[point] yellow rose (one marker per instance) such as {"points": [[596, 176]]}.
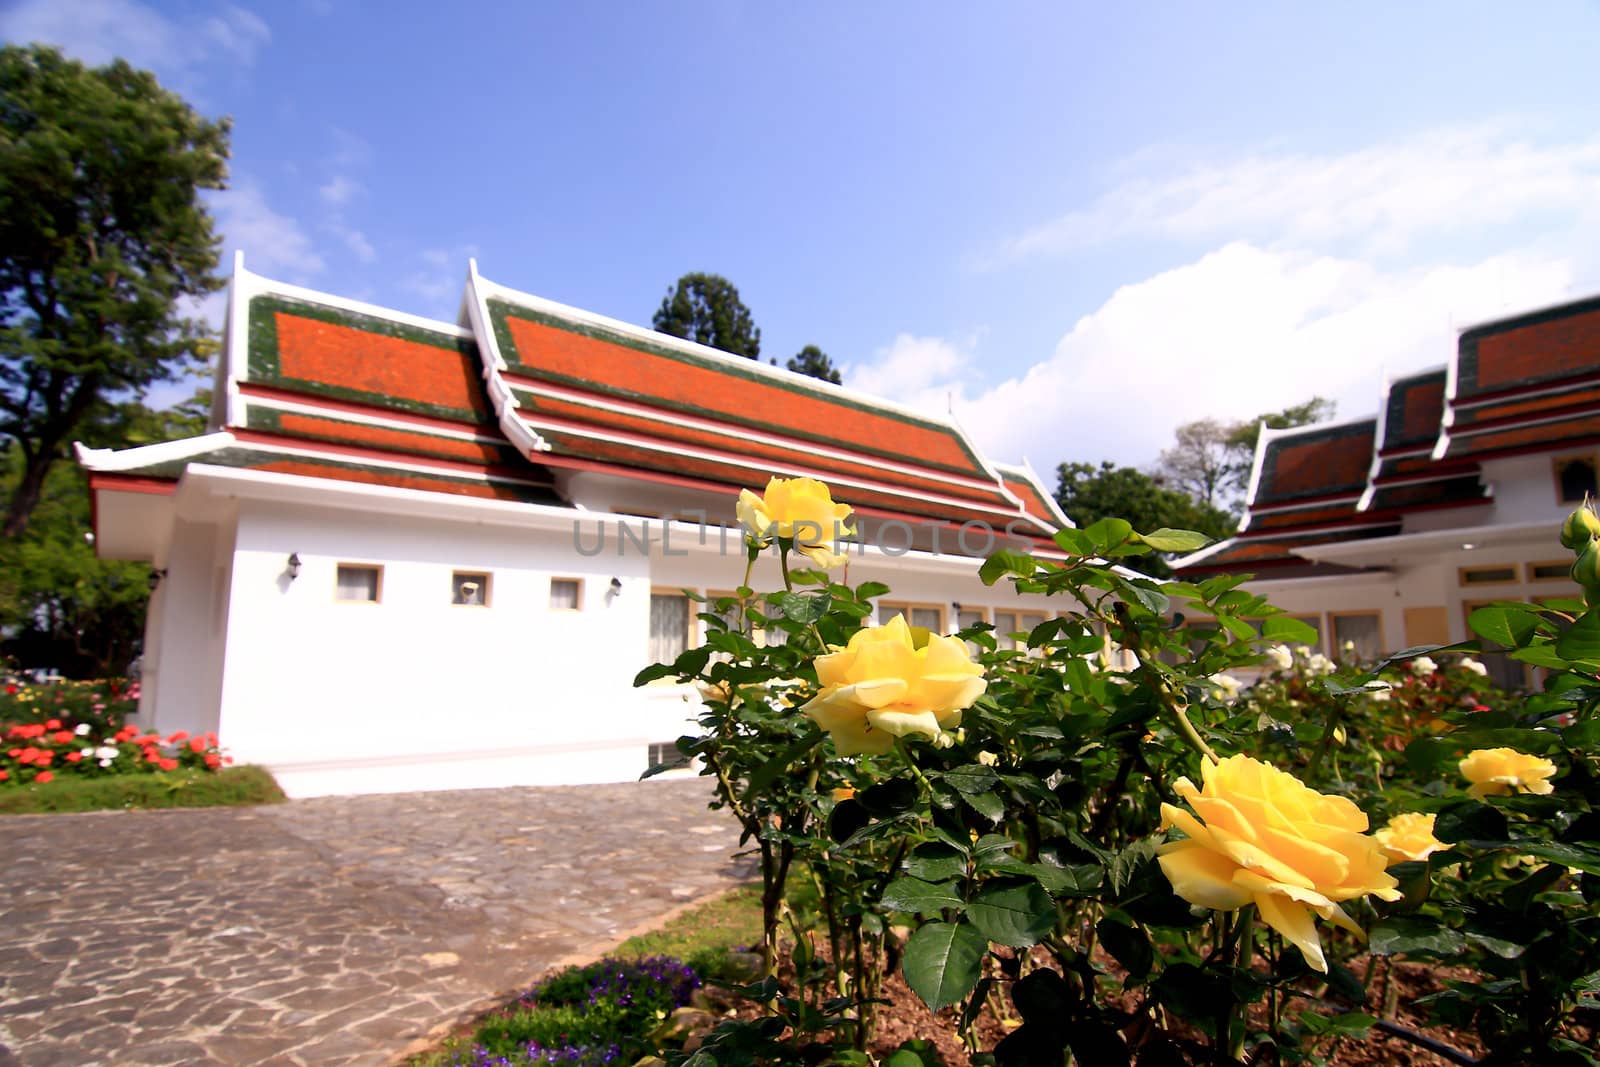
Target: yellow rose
{"points": [[1497, 772], [881, 686], [1408, 836], [1270, 840], [801, 510]]}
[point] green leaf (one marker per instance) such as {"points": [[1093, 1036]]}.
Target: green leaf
{"points": [[1128, 945], [988, 805], [1074, 880], [1413, 935], [1581, 640], [870, 590], [1006, 562], [1503, 625], [1470, 820], [942, 962], [1284, 630], [972, 778], [653, 672], [1584, 859], [889, 797], [1167, 539], [802, 608], [1106, 534], [1147, 595], [923, 898], [934, 861], [1017, 915], [768, 772], [1075, 542], [1354, 1024]]}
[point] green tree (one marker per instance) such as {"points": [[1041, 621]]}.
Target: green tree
{"points": [[61, 605], [706, 308], [103, 240], [1210, 460], [814, 361], [1088, 493]]}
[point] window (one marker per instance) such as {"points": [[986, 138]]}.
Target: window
{"points": [[927, 616], [358, 583], [1575, 479], [1364, 631], [669, 626], [1007, 623], [566, 594], [666, 754], [469, 588], [1504, 671], [1499, 574], [1554, 571]]}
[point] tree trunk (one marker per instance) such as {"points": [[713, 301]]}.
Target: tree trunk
{"points": [[29, 489]]}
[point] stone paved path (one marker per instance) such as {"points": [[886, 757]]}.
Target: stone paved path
{"points": [[334, 931]]}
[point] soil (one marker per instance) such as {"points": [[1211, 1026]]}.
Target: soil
{"points": [[906, 1017]]}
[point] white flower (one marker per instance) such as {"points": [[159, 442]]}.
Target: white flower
{"points": [[107, 753], [1380, 695], [987, 759], [105, 763], [82, 729], [1319, 664], [1348, 647], [1474, 666], [1227, 685], [1423, 665], [1280, 657]]}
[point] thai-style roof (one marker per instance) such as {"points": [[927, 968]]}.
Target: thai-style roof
{"points": [[319, 386], [1522, 384]]}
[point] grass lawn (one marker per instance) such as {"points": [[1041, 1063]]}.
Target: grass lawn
{"points": [[169, 789]]}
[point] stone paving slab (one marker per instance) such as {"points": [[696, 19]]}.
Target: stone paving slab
{"points": [[336, 931]]}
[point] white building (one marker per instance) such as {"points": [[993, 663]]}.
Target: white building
{"points": [[1387, 531], [419, 555]]}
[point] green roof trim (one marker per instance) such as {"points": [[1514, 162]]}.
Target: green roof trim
{"points": [[263, 355]]}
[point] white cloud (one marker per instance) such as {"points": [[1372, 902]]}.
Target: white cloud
{"points": [[356, 242], [339, 190], [917, 371], [440, 281], [97, 31], [1385, 197], [273, 244], [1240, 331]]}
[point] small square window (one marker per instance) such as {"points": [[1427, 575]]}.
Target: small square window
{"points": [[1501, 574], [1575, 479], [358, 583], [566, 594], [1554, 571], [470, 588]]}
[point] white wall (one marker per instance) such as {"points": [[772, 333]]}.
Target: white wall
{"points": [[413, 691], [181, 670]]}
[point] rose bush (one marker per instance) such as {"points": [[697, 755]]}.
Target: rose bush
{"points": [[1009, 823], [39, 752]]}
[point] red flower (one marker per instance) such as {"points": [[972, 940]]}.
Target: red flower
{"points": [[227, 759], [45, 757], [152, 756], [197, 745], [14, 753], [28, 755], [74, 756], [62, 737], [52, 724], [126, 733], [168, 764], [11, 690], [213, 761], [4, 775], [43, 776], [181, 735]]}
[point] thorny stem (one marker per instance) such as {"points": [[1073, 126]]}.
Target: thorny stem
{"points": [[1236, 1009]]}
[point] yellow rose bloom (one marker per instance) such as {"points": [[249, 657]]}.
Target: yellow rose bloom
{"points": [[1265, 838], [1497, 772], [881, 686], [801, 510], [1408, 836]]}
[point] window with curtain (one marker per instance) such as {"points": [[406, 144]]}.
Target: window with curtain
{"points": [[566, 594], [669, 626], [1363, 631], [357, 584]]}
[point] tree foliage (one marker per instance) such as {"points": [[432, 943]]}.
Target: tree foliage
{"points": [[813, 361], [1210, 460], [103, 239], [1088, 493], [706, 308]]}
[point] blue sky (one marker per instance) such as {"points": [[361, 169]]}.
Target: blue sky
{"points": [[1075, 226]]}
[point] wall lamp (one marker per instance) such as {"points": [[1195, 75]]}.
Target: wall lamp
{"points": [[155, 578], [616, 585], [293, 568]]}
